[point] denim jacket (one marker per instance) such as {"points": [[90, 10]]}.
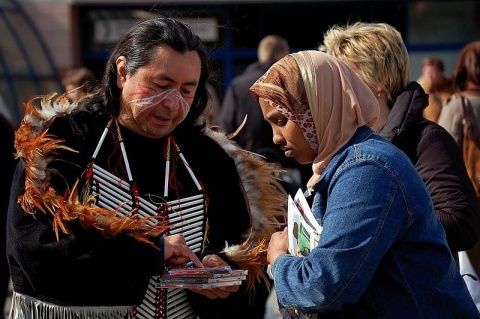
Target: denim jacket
{"points": [[383, 252]]}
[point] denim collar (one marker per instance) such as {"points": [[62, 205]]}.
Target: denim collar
{"points": [[362, 133]]}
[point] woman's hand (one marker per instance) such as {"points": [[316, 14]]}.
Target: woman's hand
{"points": [[217, 292], [277, 246], [177, 253]]}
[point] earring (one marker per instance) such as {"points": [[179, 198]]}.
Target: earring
{"points": [[378, 94]]}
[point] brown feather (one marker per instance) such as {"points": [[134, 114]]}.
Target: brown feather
{"points": [[37, 148], [267, 204]]}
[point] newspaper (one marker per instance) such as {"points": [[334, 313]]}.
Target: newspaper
{"points": [[303, 229]]}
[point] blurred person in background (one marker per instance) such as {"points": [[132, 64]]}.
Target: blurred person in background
{"points": [[78, 82], [238, 103], [466, 79], [436, 84], [255, 134]]}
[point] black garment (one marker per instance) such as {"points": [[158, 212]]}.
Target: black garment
{"points": [[88, 269], [439, 162], [7, 164], [256, 136]]}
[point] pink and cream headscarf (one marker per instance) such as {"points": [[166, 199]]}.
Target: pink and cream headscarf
{"points": [[312, 87]]}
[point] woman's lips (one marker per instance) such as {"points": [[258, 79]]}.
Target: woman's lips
{"points": [[287, 151]]}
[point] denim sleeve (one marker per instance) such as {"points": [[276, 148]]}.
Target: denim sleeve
{"points": [[364, 215]]}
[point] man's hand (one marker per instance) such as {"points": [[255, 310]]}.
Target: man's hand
{"points": [[217, 292], [177, 253]]}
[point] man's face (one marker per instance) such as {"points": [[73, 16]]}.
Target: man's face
{"points": [[158, 96]]}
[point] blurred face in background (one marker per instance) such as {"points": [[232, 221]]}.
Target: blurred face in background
{"points": [[432, 75], [74, 93]]}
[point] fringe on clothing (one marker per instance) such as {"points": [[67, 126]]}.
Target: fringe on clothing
{"points": [[25, 307]]}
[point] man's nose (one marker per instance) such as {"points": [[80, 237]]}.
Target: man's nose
{"points": [[171, 100]]}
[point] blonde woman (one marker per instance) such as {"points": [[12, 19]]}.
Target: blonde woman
{"points": [[378, 55]]}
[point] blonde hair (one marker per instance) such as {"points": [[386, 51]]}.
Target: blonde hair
{"points": [[377, 51], [272, 48]]}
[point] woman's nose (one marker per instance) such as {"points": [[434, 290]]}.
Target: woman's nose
{"points": [[277, 137]]}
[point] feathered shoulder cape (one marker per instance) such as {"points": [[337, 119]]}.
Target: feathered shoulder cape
{"points": [[33, 143]]}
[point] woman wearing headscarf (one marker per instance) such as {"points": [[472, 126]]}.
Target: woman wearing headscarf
{"points": [[382, 251]]}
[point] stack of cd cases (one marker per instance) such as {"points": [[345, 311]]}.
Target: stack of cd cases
{"points": [[202, 278]]}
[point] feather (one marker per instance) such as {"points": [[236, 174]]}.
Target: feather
{"points": [[37, 148], [267, 205]]}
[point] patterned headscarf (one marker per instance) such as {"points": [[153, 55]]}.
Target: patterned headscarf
{"points": [[311, 87]]}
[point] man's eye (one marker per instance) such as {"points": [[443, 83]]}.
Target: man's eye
{"points": [[186, 93], [161, 87]]}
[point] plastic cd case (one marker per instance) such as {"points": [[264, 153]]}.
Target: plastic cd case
{"points": [[163, 284], [202, 278]]}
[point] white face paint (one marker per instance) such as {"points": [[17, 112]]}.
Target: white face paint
{"points": [[170, 105]]}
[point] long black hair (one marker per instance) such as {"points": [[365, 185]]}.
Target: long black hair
{"points": [[138, 46]]}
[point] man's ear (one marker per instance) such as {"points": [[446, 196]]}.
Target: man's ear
{"points": [[121, 71]]}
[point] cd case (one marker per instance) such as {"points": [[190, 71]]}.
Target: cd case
{"points": [[202, 278], [207, 272]]}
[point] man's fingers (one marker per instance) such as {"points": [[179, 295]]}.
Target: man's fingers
{"points": [[177, 251], [196, 261], [182, 254]]}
